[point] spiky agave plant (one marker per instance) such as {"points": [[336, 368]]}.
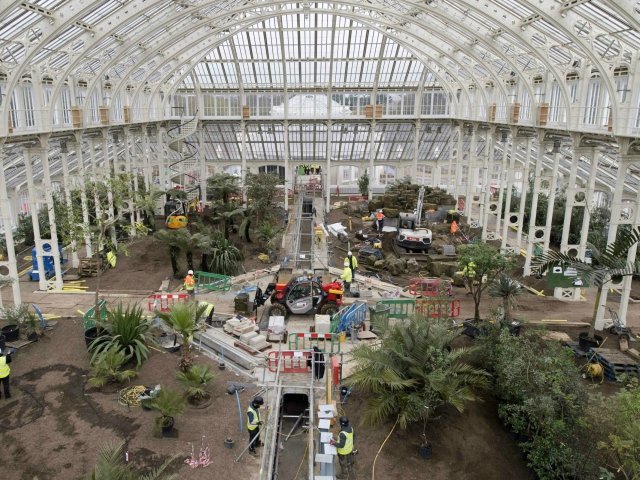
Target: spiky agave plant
{"points": [[224, 257]]}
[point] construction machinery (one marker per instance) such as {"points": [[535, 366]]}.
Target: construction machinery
{"points": [[411, 235], [302, 295], [177, 212]]}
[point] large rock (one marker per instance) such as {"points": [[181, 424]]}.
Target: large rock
{"points": [[396, 266], [440, 268]]}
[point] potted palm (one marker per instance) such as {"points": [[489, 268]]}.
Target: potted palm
{"points": [[604, 266], [14, 317], [195, 381], [168, 403], [184, 318]]}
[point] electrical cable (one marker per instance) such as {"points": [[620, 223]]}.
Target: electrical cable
{"points": [[130, 396], [373, 468], [302, 461]]}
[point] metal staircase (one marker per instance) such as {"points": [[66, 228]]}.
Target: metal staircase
{"points": [[185, 172]]}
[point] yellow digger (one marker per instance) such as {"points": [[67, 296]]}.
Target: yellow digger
{"points": [[177, 212]]}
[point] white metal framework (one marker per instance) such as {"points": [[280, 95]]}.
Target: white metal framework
{"points": [[466, 94]]}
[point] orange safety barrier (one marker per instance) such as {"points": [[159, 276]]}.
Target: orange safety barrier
{"points": [[164, 301], [438, 307], [335, 370], [291, 361]]}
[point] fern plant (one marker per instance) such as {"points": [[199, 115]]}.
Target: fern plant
{"points": [[111, 466]]}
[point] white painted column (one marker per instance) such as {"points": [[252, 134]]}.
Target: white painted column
{"points": [[505, 181], [416, 144], [508, 175], [536, 233], [64, 160], [372, 156], [524, 193], [5, 213], [202, 157], [286, 163], [243, 157], [42, 281], [553, 184], [487, 164], [48, 195], [618, 217], [83, 195], [327, 175], [109, 176]]}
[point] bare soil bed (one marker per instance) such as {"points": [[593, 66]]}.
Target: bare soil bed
{"points": [[54, 424]]}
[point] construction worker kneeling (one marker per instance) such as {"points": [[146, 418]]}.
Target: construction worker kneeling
{"points": [[208, 311]]}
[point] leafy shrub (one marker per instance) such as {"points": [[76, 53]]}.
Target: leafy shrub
{"points": [[543, 400]]}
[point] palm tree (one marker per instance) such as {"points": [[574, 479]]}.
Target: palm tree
{"points": [[173, 241], [195, 380], [111, 466], [222, 186], [612, 263], [507, 289], [413, 372], [184, 318]]}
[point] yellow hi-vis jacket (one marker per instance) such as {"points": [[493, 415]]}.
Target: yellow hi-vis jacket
{"points": [[253, 418], [346, 274], [353, 261], [347, 448], [209, 309], [5, 369], [189, 283], [111, 258]]}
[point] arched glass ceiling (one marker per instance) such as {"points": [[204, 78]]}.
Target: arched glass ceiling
{"points": [[307, 51], [140, 40]]}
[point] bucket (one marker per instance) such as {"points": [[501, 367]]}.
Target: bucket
{"points": [[342, 336]]}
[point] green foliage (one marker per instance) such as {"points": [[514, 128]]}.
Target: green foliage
{"points": [[184, 318], [174, 242], [363, 184], [542, 399], [195, 381], [487, 262], [413, 372], [267, 234], [223, 256], [128, 331], [111, 466], [262, 190], [605, 265], [106, 367], [168, 403], [615, 419], [507, 289], [222, 186]]}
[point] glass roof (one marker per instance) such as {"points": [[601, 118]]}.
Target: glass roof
{"points": [[350, 46]]}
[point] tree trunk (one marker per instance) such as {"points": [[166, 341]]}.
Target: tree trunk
{"points": [[476, 301], [173, 254], [189, 255], [203, 262], [592, 327], [507, 309]]}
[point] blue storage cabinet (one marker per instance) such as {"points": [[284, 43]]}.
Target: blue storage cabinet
{"points": [[47, 262]]}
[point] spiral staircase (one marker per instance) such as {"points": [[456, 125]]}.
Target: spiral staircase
{"points": [[184, 173]]}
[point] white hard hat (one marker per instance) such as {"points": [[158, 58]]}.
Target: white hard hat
{"points": [[190, 272], [349, 253]]}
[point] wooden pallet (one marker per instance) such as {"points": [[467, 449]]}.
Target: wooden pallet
{"points": [[90, 267]]}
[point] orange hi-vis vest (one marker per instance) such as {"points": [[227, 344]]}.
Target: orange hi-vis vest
{"points": [[189, 283], [380, 216]]}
